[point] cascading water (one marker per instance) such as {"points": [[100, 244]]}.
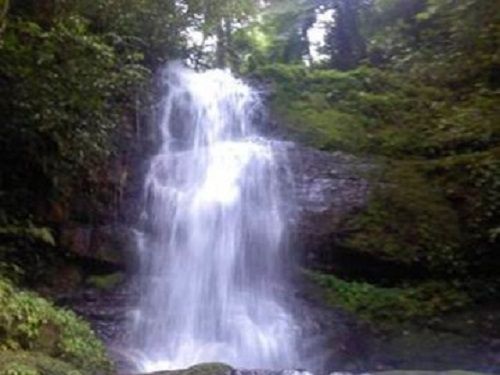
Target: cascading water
{"points": [[212, 245]]}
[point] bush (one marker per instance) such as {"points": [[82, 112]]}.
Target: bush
{"points": [[395, 304], [409, 221], [363, 110], [436, 205], [29, 363], [31, 323]]}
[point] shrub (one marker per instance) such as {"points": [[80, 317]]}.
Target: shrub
{"points": [[391, 304], [29, 363], [31, 323]]}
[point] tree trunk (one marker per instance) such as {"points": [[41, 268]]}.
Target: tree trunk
{"points": [[221, 52], [347, 44], [4, 9]]}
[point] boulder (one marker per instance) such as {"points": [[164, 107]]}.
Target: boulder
{"points": [[409, 372], [201, 369]]}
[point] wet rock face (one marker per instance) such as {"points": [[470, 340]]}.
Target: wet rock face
{"points": [[108, 244], [321, 190], [326, 189]]}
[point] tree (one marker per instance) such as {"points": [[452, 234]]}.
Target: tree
{"points": [[219, 20], [344, 42], [4, 9]]}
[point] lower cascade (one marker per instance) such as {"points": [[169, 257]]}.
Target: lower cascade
{"points": [[213, 234]]}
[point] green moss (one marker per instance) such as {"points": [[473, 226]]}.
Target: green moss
{"points": [[28, 322], [409, 372], [201, 369], [32, 363], [355, 111], [393, 115], [208, 369], [105, 282], [303, 100], [332, 129], [395, 304], [467, 126], [408, 220], [472, 182]]}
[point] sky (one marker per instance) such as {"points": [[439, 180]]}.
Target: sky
{"points": [[317, 33]]}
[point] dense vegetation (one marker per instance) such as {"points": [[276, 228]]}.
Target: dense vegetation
{"points": [[411, 84], [74, 79], [30, 323], [74, 82], [414, 85]]}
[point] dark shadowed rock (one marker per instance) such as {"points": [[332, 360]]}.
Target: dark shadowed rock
{"points": [[326, 188], [111, 244]]}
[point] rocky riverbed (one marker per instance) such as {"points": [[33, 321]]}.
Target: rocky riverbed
{"points": [[335, 338], [325, 188]]}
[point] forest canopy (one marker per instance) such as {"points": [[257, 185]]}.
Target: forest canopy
{"points": [[413, 84]]}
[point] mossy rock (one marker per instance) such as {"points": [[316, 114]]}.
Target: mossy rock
{"points": [[408, 221], [31, 363], [436, 208], [106, 282], [379, 304], [405, 372], [208, 369], [31, 323], [201, 369], [362, 110]]}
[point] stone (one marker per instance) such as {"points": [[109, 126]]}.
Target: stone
{"points": [[106, 282], [201, 369], [409, 372], [108, 244], [326, 188]]}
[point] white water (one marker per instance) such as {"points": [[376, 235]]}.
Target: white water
{"points": [[213, 240]]}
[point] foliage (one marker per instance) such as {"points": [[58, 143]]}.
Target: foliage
{"points": [[278, 35], [363, 110], [409, 221], [105, 282], [29, 363], [344, 42], [149, 29], [471, 181], [74, 82], [62, 92], [28, 322], [30, 231], [444, 32], [23, 250], [74, 74], [217, 21], [384, 304], [4, 9], [424, 102], [442, 151], [418, 89]]}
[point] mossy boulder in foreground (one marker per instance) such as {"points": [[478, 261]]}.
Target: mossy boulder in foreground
{"points": [[29, 323], [201, 369], [408, 372]]}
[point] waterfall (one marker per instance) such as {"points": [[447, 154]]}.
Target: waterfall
{"points": [[213, 236]]}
